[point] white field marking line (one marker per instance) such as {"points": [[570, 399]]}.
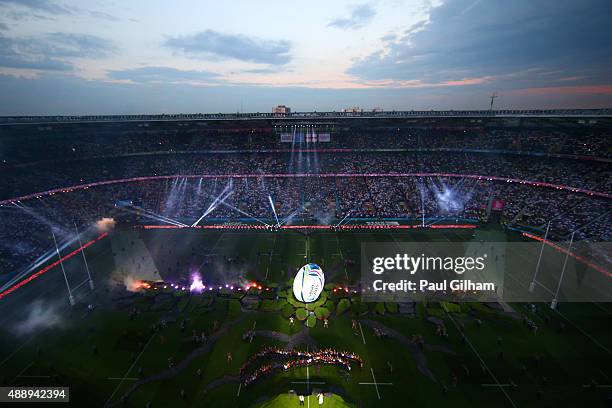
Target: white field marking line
{"points": [[16, 350], [128, 371], [362, 336], [394, 240], [253, 329], [495, 385], [605, 375], [607, 350], [544, 287], [342, 256], [239, 386], [270, 260], [24, 370], [308, 382], [339, 247], [597, 386], [481, 360], [217, 241], [308, 378], [602, 308], [80, 284], [367, 383], [34, 376], [375, 384]]}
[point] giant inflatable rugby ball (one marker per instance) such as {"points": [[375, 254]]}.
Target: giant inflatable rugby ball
{"points": [[308, 283]]}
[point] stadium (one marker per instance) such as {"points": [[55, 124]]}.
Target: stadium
{"points": [[149, 260]]}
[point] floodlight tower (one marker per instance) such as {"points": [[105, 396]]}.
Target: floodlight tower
{"points": [[493, 96]]}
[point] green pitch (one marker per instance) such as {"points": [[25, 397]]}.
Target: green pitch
{"points": [[286, 401], [432, 355]]}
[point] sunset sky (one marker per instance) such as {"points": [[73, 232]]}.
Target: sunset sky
{"points": [[136, 56]]}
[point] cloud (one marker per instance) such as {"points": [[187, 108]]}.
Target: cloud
{"points": [[14, 56], [517, 44], [76, 45], [163, 74], [51, 51], [388, 37], [3, 26], [213, 43], [104, 16], [268, 70], [38, 6], [359, 17]]}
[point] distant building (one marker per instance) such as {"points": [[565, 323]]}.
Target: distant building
{"points": [[285, 110], [377, 109], [354, 109]]}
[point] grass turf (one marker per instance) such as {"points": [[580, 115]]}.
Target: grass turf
{"points": [[550, 368]]}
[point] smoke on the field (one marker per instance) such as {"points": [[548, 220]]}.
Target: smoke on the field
{"points": [[324, 217], [130, 283], [40, 315]]}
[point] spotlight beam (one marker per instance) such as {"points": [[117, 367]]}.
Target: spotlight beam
{"points": [[273, 210], [40, 217], [41, 260], [287, 218], [145, 214], [345, 217], [149, 214], [351, 211], [216, 204], [160, 216], [218, 200], [245, 213]]}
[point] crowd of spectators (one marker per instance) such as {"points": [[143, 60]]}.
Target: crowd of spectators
{"points": [[60, 143], [86, 157], [574, 173], [25, 226]]}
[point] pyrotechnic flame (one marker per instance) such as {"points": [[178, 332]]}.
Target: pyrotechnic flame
{"points": [[105, 224], [196, 283]]}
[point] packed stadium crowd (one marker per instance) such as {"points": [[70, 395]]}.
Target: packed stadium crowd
{"points": [[575, 173], [314, 196], [60, 144]]}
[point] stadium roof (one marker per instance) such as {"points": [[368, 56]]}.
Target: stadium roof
{"points": [[10, 120]]}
